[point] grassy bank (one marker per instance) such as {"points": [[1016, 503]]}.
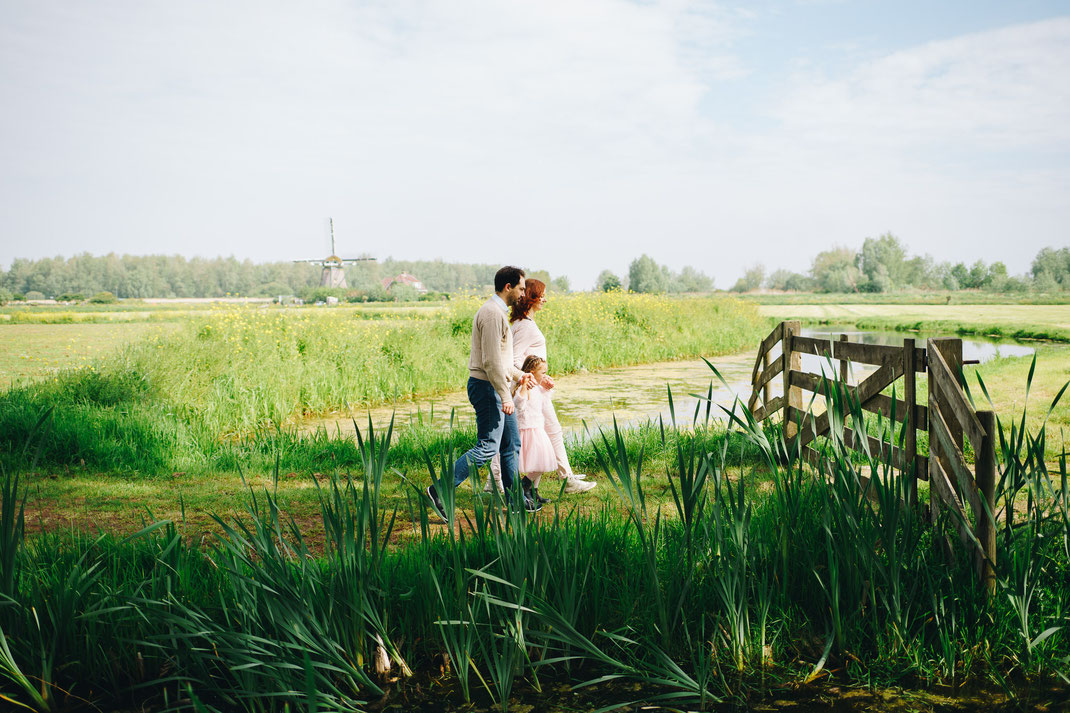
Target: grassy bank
{"points": [[132, 311], [1048, 322], [978, 328], [737, 588], [956, 297], [180, 401]]}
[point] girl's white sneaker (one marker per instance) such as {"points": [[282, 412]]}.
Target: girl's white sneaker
{"points": [[575, 485]]}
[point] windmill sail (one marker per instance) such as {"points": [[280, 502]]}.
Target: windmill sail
{"points": [[334, 274]]}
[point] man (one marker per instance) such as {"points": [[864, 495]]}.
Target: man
{"points": [[490, 371]]}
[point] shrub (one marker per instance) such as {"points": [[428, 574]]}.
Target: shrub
{"points": [[404, 293], [376, 294], [71, 297], [273, 289], [320, 294], [103, 298]]}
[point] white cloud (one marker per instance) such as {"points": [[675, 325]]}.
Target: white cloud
{"points": [[1002, 89]]}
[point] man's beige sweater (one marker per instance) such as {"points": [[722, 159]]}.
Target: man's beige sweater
{"points": [[492, 349]]}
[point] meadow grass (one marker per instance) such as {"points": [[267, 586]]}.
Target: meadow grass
{"points": [[980, 328], [125, 460], [179, 401], [1017, 321], [943, 297], [721, 595], [31, 352], [129, 311]]}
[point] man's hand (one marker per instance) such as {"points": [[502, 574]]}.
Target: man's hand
{"points": [[508, 408], [547, 383]]}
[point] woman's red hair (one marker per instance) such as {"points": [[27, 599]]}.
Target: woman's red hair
{"points": [[532, 294]]}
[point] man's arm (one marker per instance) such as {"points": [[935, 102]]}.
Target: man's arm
{"points": [[490, 344]]}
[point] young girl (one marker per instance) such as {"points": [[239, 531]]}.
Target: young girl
{"points": [[536, 451]]}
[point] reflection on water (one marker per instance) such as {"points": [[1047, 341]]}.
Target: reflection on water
{"points": [[634, 394], [972, 349], [975, 350]]}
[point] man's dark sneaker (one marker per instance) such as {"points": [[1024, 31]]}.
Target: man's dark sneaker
{"points": [[531, 504], [436, 504]]}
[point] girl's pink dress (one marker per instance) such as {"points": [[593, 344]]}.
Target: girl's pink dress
{"points": [[536, 451]]}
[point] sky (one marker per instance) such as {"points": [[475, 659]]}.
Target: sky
{"points": [[566, 135]]}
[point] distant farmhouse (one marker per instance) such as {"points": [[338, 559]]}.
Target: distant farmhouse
{"points": [[405, 279]]}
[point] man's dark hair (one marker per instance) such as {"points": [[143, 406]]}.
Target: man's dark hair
{"points": [[508, 275]]}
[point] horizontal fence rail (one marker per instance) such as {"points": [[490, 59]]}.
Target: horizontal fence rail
{"points": [[890, 390]]}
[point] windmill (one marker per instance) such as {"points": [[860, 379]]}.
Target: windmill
{"points": [[334, 274]]}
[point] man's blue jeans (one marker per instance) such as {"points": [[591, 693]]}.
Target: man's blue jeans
{"points": [[497, 433]]}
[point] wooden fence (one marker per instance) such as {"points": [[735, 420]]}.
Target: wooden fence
{"points": [[948, 418]]}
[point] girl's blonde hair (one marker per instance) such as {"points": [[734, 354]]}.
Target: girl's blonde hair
{"points": [[532, 363]]}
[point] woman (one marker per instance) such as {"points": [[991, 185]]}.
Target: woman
{"points": [[528, 340]]}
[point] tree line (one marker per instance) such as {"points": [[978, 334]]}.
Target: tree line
{"points": [[883, 265], [647, 276], [141, 276]]}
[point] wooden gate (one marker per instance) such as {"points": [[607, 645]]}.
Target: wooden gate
{"points": [[948, 418]]}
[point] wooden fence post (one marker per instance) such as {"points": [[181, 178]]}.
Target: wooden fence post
{"points": [[934, 443], [792, 394], [985, 466], [951, 350], [910, 422], [767, 389], [843, 366]]}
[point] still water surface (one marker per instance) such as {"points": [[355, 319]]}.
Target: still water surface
{"points": [[633, 394]]}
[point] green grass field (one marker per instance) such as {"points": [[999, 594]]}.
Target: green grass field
{"points": [[958, 297], [1049, 322], [91, 497], [138, 311], [146, 439], [30, 352], [180, 401]]}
